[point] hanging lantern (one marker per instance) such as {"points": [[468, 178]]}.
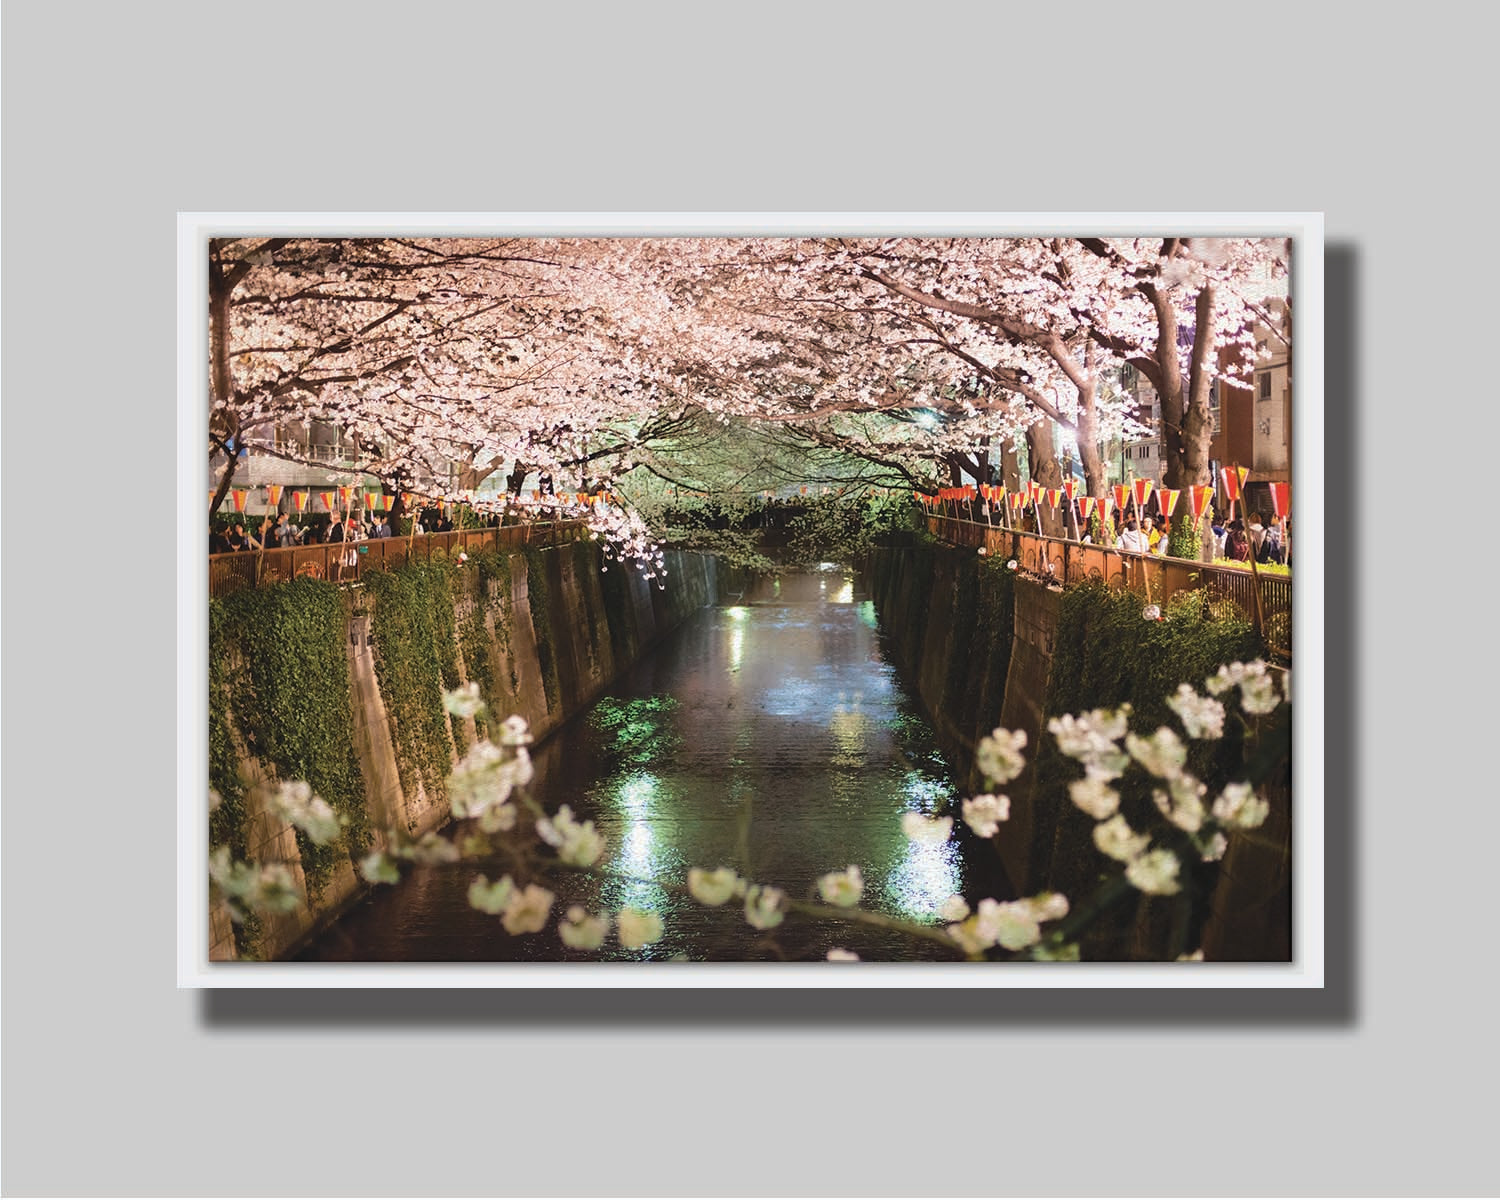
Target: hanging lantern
{"points": [[1142, 490], [1168, 501], [1281, 499]]}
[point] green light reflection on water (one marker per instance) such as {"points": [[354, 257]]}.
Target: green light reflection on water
{"points": [[640, 731], [866, 612]]}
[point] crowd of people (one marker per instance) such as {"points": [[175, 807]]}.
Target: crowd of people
{"points": [[1263, 540], [283, 534]]}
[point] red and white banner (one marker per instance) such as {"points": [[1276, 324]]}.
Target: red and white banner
{"points": [[1167, 499], [273, 494], [238, 495], [1142, 490], [1199, 495], [1122, 496], [1086, 503]]}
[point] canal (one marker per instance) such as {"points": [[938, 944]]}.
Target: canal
{"points": [[768, 734]]}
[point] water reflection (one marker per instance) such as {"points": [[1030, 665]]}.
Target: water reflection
{"points": [[770, 737], [923, 876]]}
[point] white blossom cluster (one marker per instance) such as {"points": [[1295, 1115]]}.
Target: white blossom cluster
{"points": [[1012, 925], [295, 803], [842, 888], [1183, 800], [577, 843], [983, 814], [253, 887], [481, 783], [999, 756], [1258, 691], [1201, 716]]}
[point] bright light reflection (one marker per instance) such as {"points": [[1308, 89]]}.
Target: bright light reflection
{"points": [[637, 852], [845, 594], [737, 612], [636, 794], [928, 793], [636, 845], [926, 876], [848, 729], [736, 647]]}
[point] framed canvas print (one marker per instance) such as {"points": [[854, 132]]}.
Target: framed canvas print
{"points": [[750, 600]]}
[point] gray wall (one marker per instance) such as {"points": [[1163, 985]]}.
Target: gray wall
{"points": [[115, 1083]]}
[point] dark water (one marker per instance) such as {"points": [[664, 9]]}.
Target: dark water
{"points": [[768, 735]]}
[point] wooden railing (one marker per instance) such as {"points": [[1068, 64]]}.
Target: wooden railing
{"points": [[345, 562], [1153, 575]]}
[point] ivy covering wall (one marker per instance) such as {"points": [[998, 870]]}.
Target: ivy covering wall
{"points": [[413, 628], [279, 688], [489, 611]]}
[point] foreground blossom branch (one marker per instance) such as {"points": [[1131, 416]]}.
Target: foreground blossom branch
{"points": [[489, 786]]}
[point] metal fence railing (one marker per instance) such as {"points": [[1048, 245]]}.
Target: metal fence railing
{"points": [[345, 562], [1153, 575]]}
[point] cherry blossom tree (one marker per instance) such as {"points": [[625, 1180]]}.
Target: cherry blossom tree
{"points": [[580, 359]]}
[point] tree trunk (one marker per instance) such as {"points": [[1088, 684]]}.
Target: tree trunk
{"points": [[1010, 467], [1087, 437], [221, 380], [1044, 469], [469, 478], [1187, 459]]}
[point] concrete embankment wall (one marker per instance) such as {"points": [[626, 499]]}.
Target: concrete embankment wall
{"points": [[976, 641], [560, 625]]}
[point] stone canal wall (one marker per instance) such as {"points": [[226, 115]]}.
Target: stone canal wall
{"points": [[976, 642], [544, 635]]}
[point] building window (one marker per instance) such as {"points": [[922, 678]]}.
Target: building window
{"points": [[1265, 385]]}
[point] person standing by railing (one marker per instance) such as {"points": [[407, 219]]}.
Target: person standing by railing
{"points": [[1236, 544], [335, 538], [1132, 539]]}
